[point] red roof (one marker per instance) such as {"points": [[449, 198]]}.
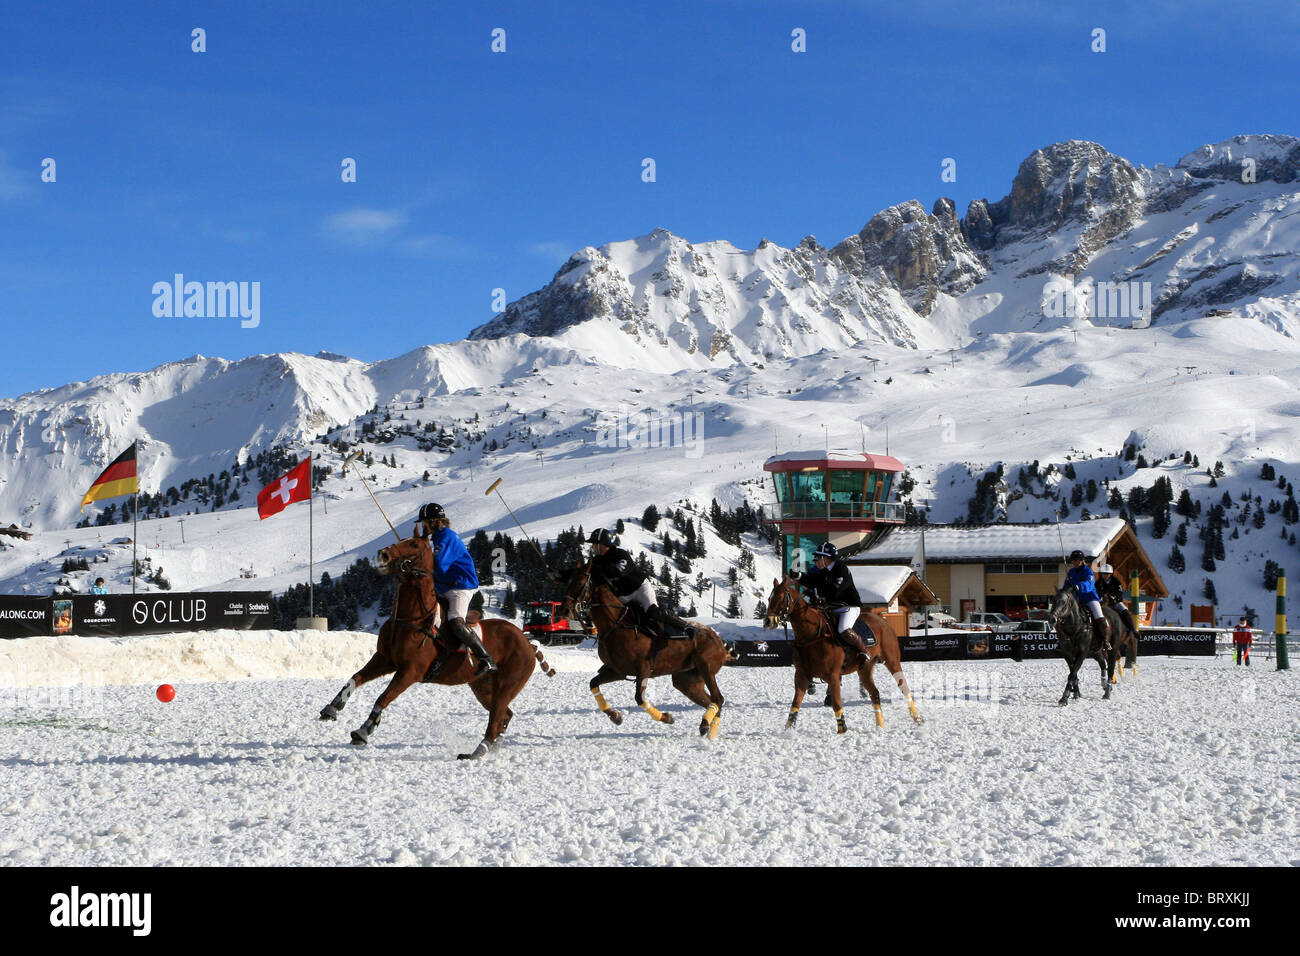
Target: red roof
{"points": [[849, 461]]}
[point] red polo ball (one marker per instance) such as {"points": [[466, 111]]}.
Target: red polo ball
{"points": [[166, 692]]}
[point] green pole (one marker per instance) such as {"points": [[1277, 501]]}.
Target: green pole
{"points": [[1280, 627]]}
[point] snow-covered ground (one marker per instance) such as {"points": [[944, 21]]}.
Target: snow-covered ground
{"points": [[1193, 763]]}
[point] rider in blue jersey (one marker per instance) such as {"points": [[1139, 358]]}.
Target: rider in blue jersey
{"points": [[455, 580], [1080, 577]]}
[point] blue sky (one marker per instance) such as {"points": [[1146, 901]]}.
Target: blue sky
{"points": [[478, 170]]}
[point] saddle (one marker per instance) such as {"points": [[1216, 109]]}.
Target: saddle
{"points": [[860, 627], [639, 619], [449, 641]]}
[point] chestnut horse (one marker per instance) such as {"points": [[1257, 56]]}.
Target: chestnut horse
{"points": [[410, 646], [625, 650], [818, 653]]}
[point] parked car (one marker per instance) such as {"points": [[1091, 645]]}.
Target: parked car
{"points": [[997, 623], [935, 618], [1035, 630]]}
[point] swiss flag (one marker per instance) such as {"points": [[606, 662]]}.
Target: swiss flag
{"points": [[285, 490]]}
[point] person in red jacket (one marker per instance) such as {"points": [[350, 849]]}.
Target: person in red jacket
{"points": [[1241, 641]]}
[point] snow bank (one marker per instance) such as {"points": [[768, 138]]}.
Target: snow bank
{"points": [[223, 655]]}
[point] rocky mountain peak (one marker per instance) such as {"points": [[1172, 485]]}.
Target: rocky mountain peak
{"points": [[1276, 158]]}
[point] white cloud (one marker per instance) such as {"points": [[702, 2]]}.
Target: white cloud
{"points": [[559, 251], [362, 226]]}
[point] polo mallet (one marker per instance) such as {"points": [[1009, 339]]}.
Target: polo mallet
{"points": [[347, 461], [493, 487]]}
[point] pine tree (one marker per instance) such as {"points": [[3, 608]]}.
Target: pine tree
{"points": [[1177, 563], [733, 607], [650, 518]]}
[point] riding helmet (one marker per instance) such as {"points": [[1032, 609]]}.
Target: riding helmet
{"points": [[432, 512], [602, 536], [827, 550], [1076, 555]]}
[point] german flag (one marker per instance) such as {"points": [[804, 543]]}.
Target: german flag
{"points": [[118, 479]]}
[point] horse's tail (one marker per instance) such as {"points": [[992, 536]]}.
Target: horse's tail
{"points": [[547, 669]]}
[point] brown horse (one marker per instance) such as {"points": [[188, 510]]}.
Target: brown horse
{"points": [[817, 653], [1127, 642], [410, 646], [626, 649]]}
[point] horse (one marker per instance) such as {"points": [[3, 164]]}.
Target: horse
{"points": [[817, 653], [626, 650], [409, 648], [1076, 642]]}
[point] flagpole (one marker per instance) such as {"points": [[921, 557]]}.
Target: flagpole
{"points": [[311, 534], [135, 516]]}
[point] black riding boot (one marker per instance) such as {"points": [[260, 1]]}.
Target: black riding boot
{"points": [[686, 628], [854, 641], [658, 633], [1101, 630], [466, 634]]}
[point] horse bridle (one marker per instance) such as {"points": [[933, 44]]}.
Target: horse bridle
{"points": [[786, 608], [1074, 612], [582, 604], [406, 568]]}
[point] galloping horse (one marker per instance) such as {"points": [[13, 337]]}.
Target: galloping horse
{"points": [[408, 644], [1076, 641], [818, 654], [625, 651]]}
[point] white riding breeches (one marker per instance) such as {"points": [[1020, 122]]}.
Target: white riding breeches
{"points": [[457, 603], [643, 597], [845, 617], [1094, 608]]}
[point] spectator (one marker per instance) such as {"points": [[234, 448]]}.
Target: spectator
{"points": [[99, 587], [1241, 641]]}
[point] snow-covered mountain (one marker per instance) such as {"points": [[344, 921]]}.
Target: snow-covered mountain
{"points": [[932, 334], [1203, 238]]}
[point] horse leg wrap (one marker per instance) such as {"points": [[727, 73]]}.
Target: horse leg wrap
{"points": [[709, 723], [654, 712], [600, 700], [840, 726], [331, 710], [362, 734], [880, 716], [479, 751], [911, 709]]}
